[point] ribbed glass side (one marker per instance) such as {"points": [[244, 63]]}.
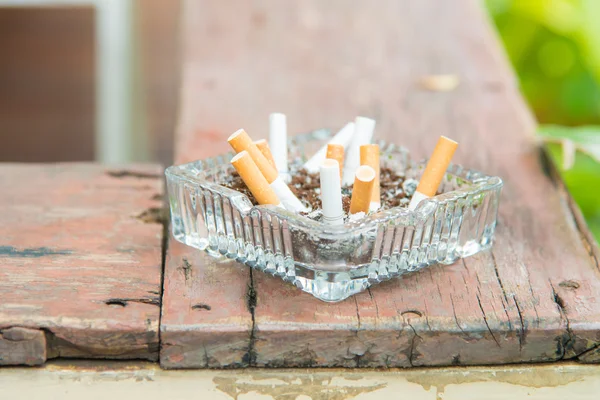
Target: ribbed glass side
{"points": [[333, 264]]}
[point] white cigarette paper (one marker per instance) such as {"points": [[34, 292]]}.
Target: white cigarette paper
{"points": [[416, 199], [288, 199], [363, 133], [343, 137], [278, 143], [241, 141], [331, 193]]}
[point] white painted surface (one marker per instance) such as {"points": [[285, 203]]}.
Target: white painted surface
{"points": [[114, 381]]}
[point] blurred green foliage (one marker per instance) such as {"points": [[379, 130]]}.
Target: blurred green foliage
{"points": [[554, 45]]}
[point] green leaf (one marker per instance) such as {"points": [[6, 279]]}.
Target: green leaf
{"points": [[583, 176], [586, 139]]}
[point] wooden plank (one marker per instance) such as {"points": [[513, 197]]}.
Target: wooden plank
{"points": [[206, 320], [533, 298], [22, 346], [80, 261]]}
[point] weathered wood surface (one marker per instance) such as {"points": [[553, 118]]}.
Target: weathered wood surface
{"points": [[80, 262], [533, 298], [205, 315]]}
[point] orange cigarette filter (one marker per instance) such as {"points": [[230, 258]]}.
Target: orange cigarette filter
{"points": [[264, 148], [361, 191], [336, 152], [369, 155], [437, 166], [254, 179], [240, 141]]}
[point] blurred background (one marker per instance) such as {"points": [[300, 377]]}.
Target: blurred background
{"points": [[554, 46], [84, 80]]}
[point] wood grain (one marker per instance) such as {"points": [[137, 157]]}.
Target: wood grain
{"points": [[533, 298], [80, 261], [205, 316]]}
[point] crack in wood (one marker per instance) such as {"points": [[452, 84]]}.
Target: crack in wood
{"points": [[586, 351], [201, 306], [533, 300], [566, 341], [205, 356], [186, 268], [123, 301], [523, 330], [486, 322], [455, 317], [456, 359], [427, 316], [357, 312], [374, 301], [249, 358], [412, 351], [163, 258], [504, 301]]}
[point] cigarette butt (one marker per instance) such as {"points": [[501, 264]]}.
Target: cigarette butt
{"points": [[264, 148], [437, 166], [363, 133], [288, 199], [240, 141], [336, 152], [369, 155], [254, 179], [331, 193], [343, 137], [361, 191]]}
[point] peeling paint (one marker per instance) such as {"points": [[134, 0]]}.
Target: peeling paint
{"points": [[290, 387]]}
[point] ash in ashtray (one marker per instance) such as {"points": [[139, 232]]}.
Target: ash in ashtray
{"points": [[396, 190]]}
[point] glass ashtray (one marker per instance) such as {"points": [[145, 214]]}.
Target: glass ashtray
{"points": [[333, 262]]}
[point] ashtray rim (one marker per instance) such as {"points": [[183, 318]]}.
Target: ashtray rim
{"points": [[482, 183]]}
